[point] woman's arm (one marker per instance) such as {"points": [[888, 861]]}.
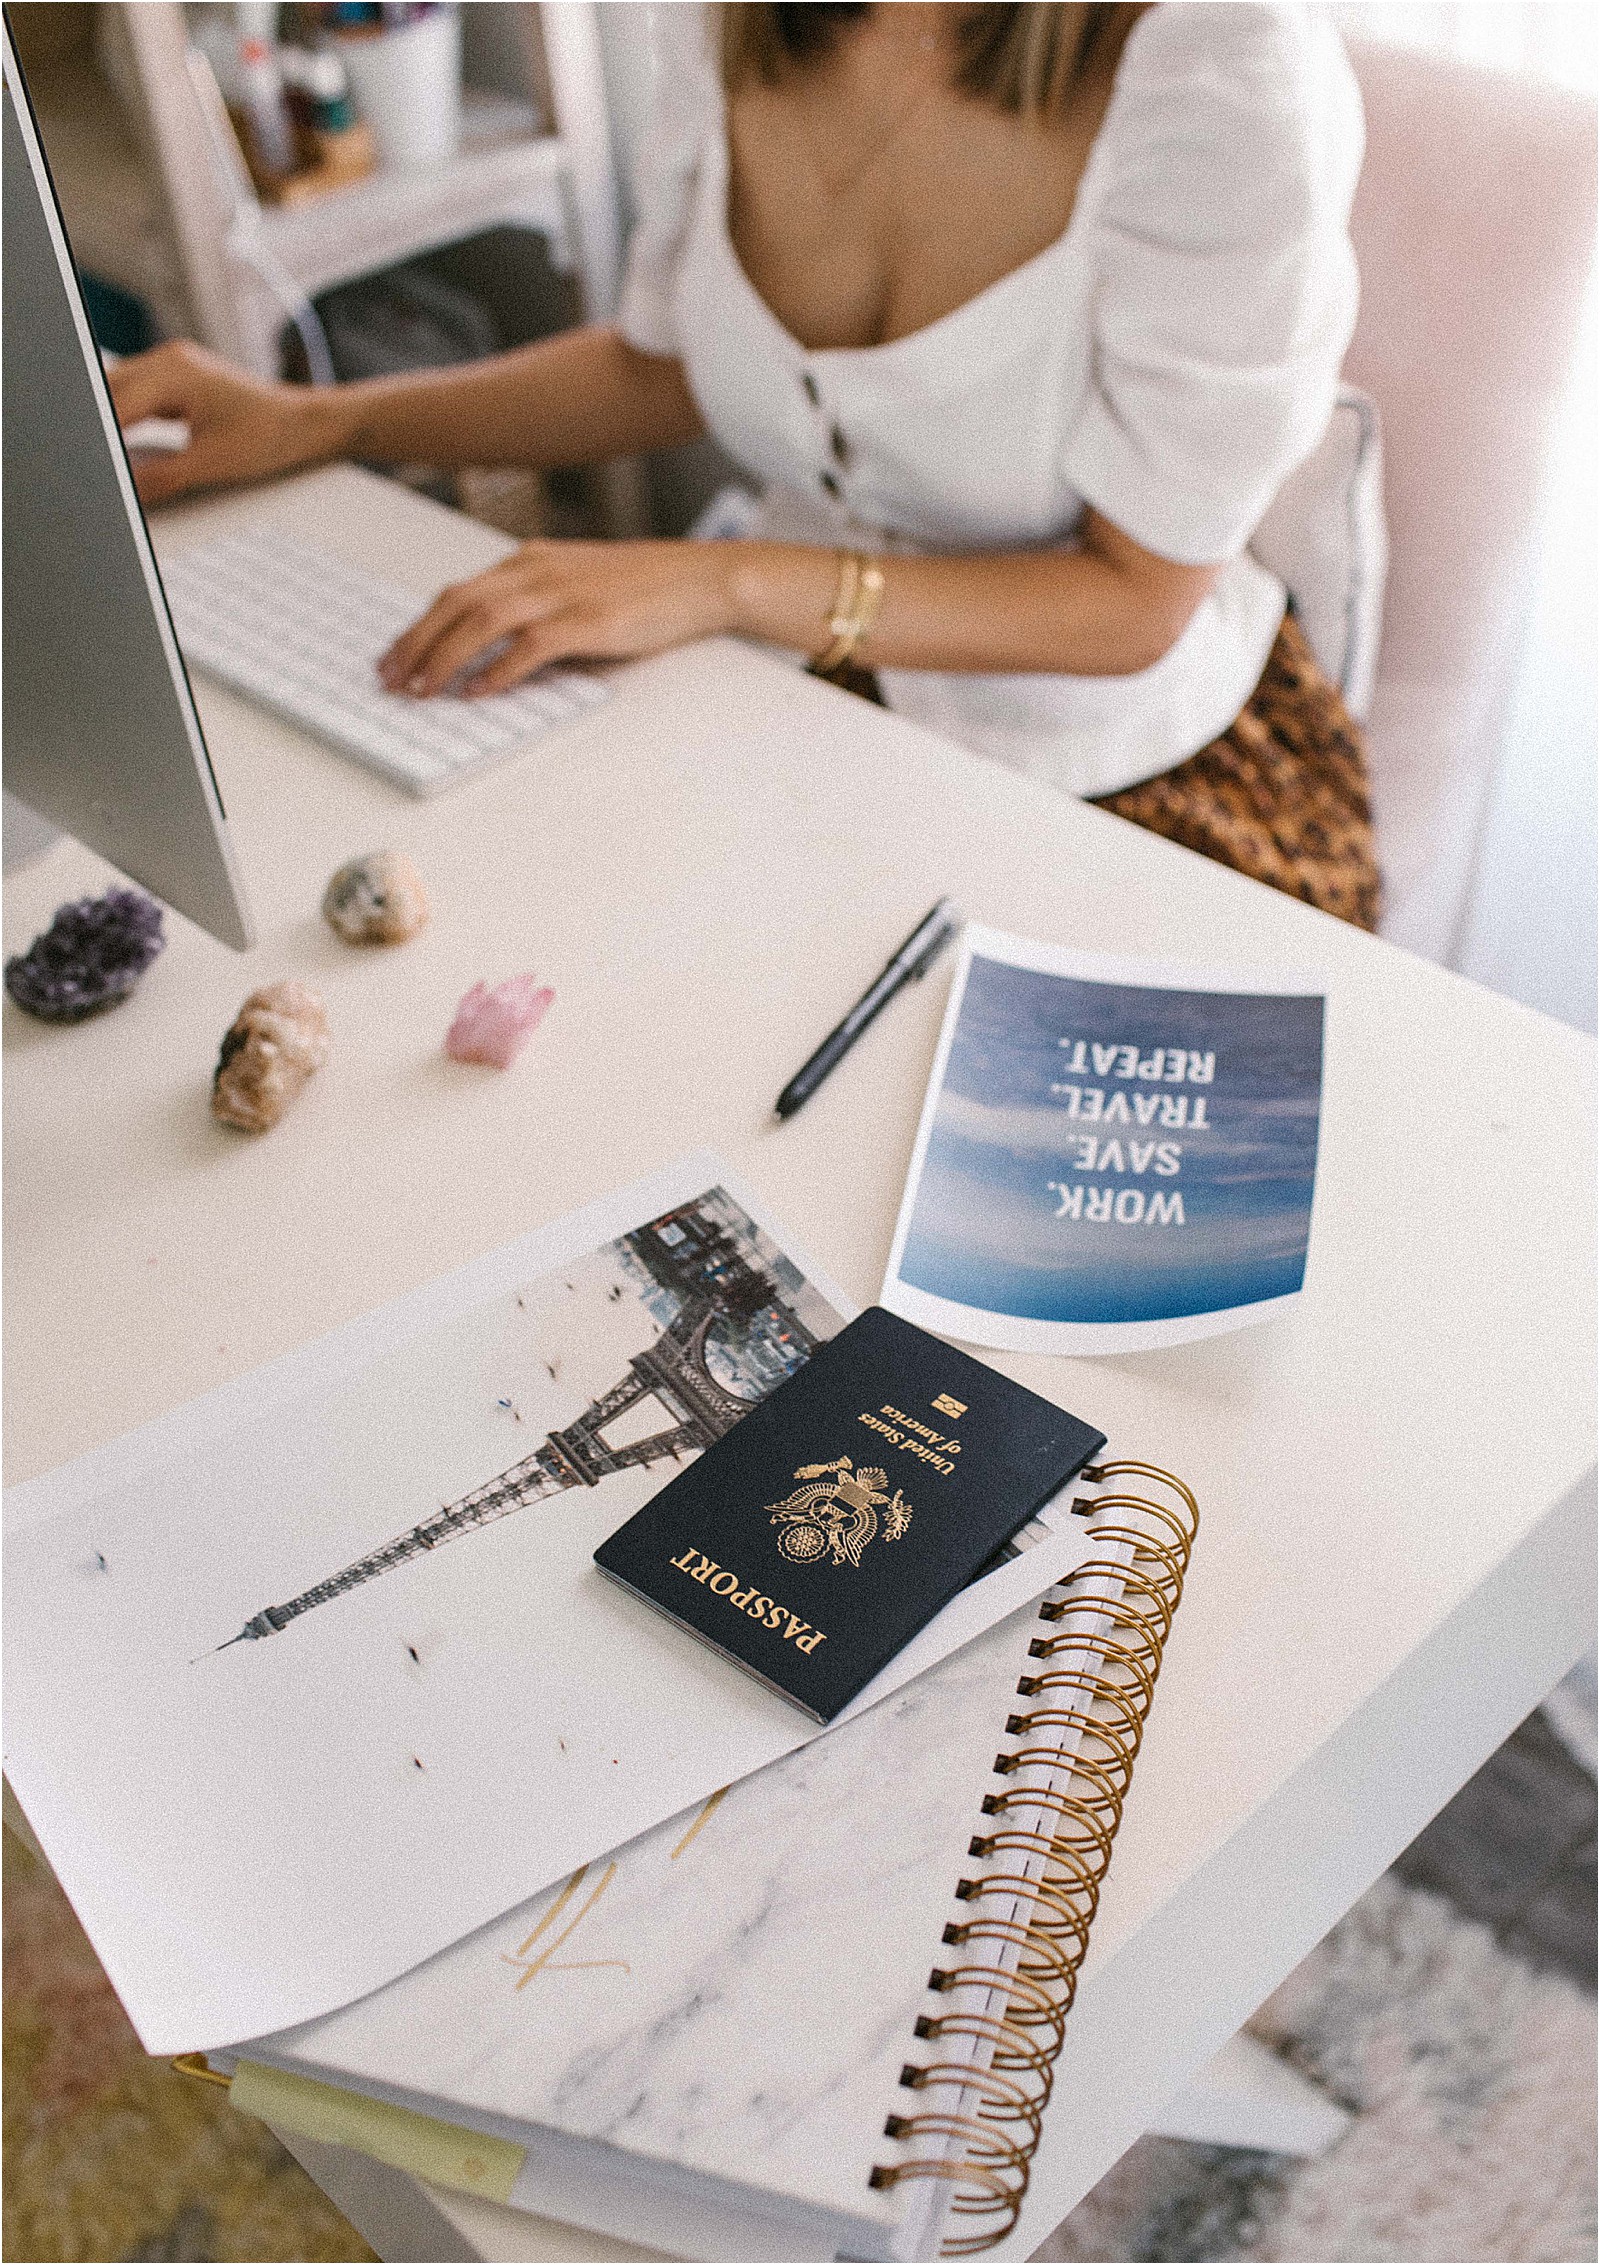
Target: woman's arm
{"points": [[584, 395], [573, 399], [1105, 607]]}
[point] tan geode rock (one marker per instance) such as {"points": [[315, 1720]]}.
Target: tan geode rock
{"points": [[376, 900], [278, 1037]]}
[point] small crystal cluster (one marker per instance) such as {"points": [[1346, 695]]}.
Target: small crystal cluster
{"points": [[278, 1038], [494, 1026], [378, 899], [91, 956]]}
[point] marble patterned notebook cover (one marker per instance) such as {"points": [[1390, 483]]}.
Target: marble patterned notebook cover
{"points": [[698, 2039], [276, 1659]]}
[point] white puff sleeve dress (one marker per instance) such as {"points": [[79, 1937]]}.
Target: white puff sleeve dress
{"points": [[1168, 360]]}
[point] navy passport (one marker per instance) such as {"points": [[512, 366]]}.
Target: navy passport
{"points": [[812, 1541]]}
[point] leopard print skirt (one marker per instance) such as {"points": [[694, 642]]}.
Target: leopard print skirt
{"points": [[1282, 795]]}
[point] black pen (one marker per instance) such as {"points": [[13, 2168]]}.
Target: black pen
{"points": [[915, 956]]}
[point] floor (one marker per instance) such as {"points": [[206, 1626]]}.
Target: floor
{"points": [[1453, 2012], [1516, 1850]]}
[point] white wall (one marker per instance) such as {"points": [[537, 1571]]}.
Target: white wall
{"points": [[1530, 928], [1531, 922]]}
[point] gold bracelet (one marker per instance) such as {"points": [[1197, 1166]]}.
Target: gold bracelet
{"points": [[855, 608]]}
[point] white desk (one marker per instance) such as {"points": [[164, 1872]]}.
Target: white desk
{"points": [[1396, 1479]]}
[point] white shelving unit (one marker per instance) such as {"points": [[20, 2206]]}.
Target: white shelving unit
{"points": [[245, 262], [158, 199], [391, 216]]}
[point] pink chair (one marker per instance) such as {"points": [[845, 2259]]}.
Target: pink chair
{"points": [[1474, 227]]}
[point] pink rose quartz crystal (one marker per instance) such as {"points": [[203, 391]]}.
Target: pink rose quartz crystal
{"points": [[277, 1039], [494, 1026]]}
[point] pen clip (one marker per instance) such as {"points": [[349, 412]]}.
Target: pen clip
{"points": [[931, 950]]}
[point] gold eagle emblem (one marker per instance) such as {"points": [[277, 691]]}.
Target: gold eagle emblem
{"points": [[836, 1515]]}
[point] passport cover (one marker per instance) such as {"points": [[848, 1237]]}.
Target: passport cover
{"points": [[813, 1541]]}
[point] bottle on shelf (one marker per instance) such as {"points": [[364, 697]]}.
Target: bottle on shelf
{"points": [[268, 128]]}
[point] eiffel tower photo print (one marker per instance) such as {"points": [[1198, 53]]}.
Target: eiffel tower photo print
{"points": [[731, 1314]]}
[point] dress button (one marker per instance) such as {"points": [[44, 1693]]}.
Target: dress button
{"points": [[829, 483], [840, 447], [808, 385]]}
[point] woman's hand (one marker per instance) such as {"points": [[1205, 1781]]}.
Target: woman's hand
{"points": [[1100, 607], [553, 601], [240, 428]]}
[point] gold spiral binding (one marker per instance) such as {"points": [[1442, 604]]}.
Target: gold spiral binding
{"points": [[1027, 1921]]}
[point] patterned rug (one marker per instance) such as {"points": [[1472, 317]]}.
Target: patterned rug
{"points": [[1473, 2082], [1472, 2077], [110, 2154]]}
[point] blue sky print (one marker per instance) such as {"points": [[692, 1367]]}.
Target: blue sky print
{"points": [[1106, 1152]]}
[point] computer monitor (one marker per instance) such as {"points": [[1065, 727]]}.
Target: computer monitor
{"points": [[101, 734]]}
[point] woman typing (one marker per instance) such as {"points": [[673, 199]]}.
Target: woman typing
{"points": [[1020, 316]]}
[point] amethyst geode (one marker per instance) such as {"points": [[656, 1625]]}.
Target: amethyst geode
{"points": [[91, 956]]}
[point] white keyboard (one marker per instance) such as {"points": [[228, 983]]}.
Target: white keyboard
{"points": [[302, 632]]}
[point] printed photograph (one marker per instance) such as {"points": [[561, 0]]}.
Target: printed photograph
{"points": [[657, 1343], [373, 1604], [1105, 1152]]}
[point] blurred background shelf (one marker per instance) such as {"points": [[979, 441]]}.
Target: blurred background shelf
{"points": [[393, 216], [160, 206]]}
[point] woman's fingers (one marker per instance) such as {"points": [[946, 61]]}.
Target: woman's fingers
{"points": [[161, 473], [462, 623], [456, 646], [157, 477], [454, 643], [157, 384], [529, 650], [404, 666], [400, 663], [163, 383]]}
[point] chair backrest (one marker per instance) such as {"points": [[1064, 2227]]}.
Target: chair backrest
{"points": [[1474, 228], [1324, 537]]}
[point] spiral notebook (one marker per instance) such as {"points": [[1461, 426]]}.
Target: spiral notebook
{"points": [[817, 2017]]}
